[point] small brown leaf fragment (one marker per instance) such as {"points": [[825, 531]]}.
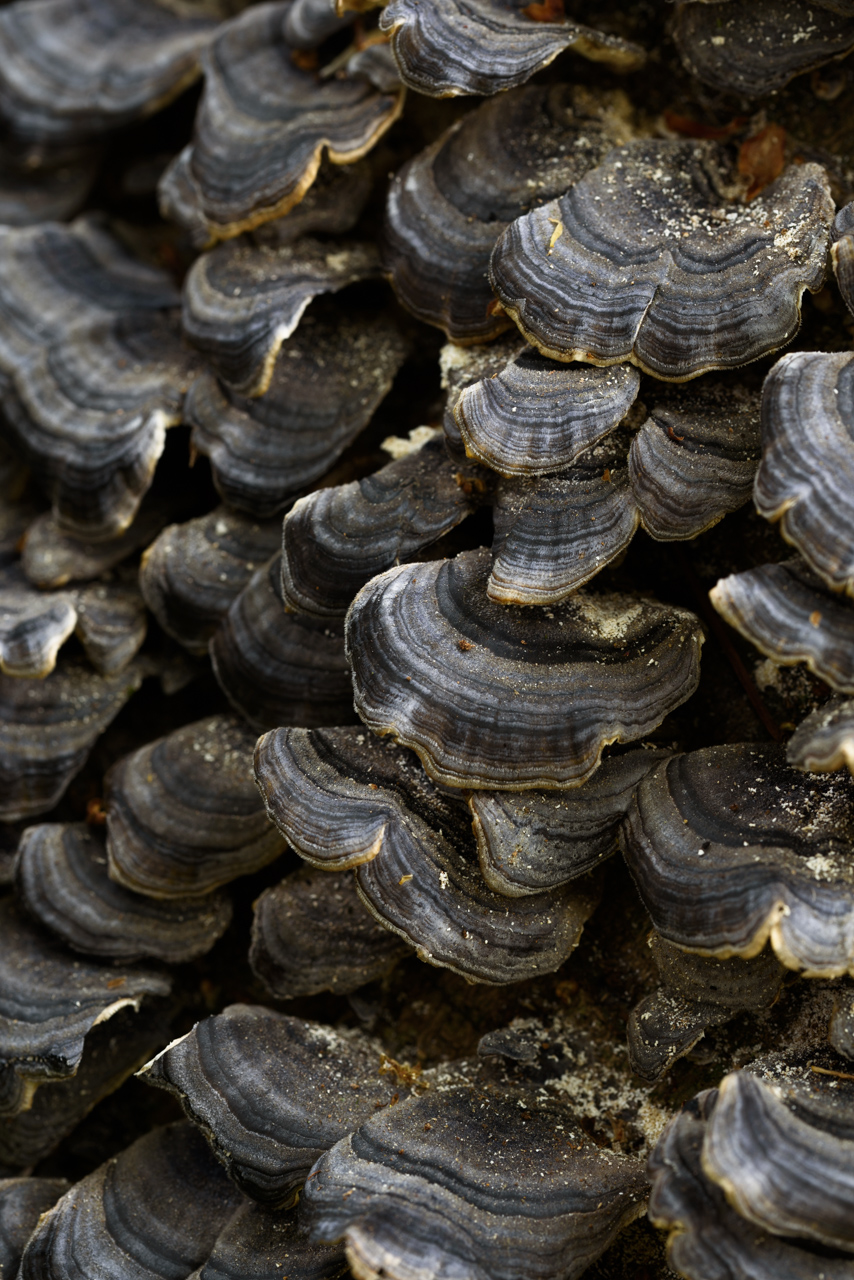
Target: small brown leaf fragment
{"points": [[465, 645], [761, 158], [547, 11], [815, 617], [688, 128], [96, 814]]}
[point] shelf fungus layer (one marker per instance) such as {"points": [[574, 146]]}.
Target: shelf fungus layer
{"points": [[345, 799], [806, 475], [462, 366], [824, 741], [272, 1093], [192, 572], [243, 300], [504, 698], [22, 1202], [731, 846], [420, 1194], [258, 1243], [61, 881], [46, 1015], [842, 253], [184, 815], [539, 415], [445, 47], [791, 616], [329, 378], [312, 933], [337, 539], [263, 125], [755, 47], [153, 1212], [280, 668], [611, 270], [448, 205], [72, 72]]}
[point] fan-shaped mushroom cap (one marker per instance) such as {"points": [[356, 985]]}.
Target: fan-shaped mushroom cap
{"points": [[842, 253], [263, 125], [532, 699], [344, 799], [22, 1202], [757, 46], [259, 1243], [327, 382], [614, 269], [271, 1093], [48, 729], [533, 840], [806, 474], [183, 814], [49, 1002], [312, 933], [790, 615], [192, 572], [445, 48], [152, 1213], [447, 206], [72, 71], [825, 740], [241, 301], [276, 667], [61, 880], [89, 412], [426, 1197], [332, 205], [337, 539], [111, 625], [730, 846], [462, 366], [54, 190], [539, 415]]}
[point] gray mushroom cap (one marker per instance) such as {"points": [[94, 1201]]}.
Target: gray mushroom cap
{"points": [[51, 558], [258, 1243], [53, 192], [842, 253], [806, 474], [611, 270], [730, 847], [444, 48], [498, 698], [824, 741], [462, 366], [22, 1202]]}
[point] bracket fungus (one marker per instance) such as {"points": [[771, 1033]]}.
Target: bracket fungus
{"points": [[22, 1202], [503, 698], [242, 301], [646, 258], [271, 1093], [824, 741], [447, 206], [263, 125], [461, 366], [731, 847], [258, 1244], [183, 814], [447, 47], [842, 253], [52, 558]]}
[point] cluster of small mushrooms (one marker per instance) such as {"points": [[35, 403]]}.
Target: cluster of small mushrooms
{"points": [[393, 402]]}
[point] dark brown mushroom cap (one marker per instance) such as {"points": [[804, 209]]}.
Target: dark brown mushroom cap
{"points": [[842, 253], [539, 415], [89, 412], [614, 269], [192, 572], [47, 730], [806, 474], [264, 124], [71, 72], [241, 301], [312, 933], [265, 1244], [49, 1002], [151, 1213], [61, 881], [504, 698], [22, 1202], [447, 206], [791, 616], [51, 558], [328, 380], [730, 846], [276, 667], [757, 46], [183, 813], [337, 539], [452, 1181], [445, 48], [535, 840], [462, 366], [824, 741], [271, 1093]]}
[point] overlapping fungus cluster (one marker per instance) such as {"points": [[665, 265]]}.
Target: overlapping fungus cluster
{"points": [[391, 406]]}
